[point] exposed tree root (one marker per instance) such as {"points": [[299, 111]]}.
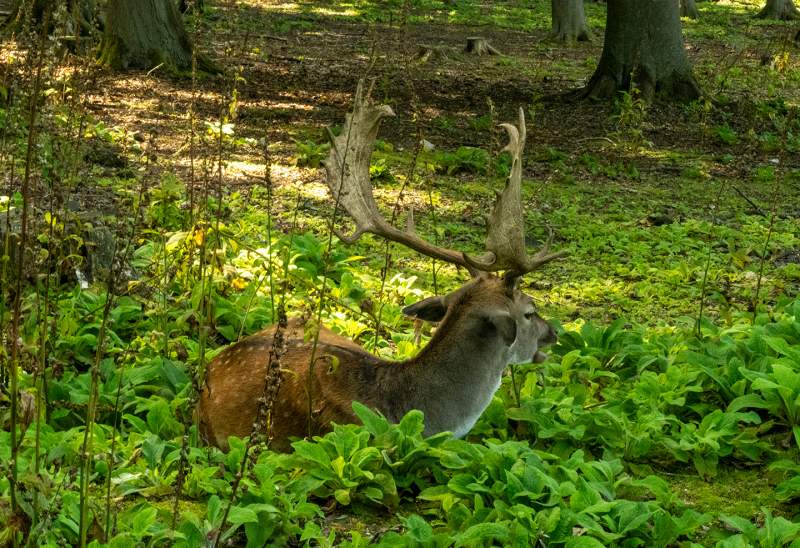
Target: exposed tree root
{"points": [[427, 52], [782, 10], [603, 85], [569, 36], [569, 22]]}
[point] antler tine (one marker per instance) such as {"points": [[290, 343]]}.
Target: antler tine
{"points": [[505, 240], [347, 169]]}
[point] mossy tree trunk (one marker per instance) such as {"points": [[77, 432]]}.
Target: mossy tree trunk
{"points": [[569, 21], [689, 9], [146, 33], [81, 17], [783, 10], [643, 47]]}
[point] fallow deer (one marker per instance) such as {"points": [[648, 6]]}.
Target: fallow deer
{"points": [[486, 324]]}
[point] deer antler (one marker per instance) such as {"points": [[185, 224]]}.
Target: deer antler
{"points": [[505, 240], [347, 169]]}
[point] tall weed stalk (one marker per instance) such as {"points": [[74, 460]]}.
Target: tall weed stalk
{"points": [[37, 58]]}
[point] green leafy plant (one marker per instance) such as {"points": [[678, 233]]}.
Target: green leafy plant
{"points": [[310, 153], [463, 160]]}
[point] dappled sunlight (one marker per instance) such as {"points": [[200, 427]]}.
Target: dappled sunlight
{"points": [[159, 224]]}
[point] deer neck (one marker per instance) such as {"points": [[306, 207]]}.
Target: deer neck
{"points": [[451, 381]]}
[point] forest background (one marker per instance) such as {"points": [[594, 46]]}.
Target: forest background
{"points": [[156, 207]]}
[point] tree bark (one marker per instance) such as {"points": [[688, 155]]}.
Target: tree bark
{"points": [[569, 21], [81, 21], [146, 33], [689, 9], [643, 47], [783, 10]]}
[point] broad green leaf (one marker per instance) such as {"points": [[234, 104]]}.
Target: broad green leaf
{"points": [[584, 542], [747, 401], [313, 452], [787, 377], [373, 422], [413, 424], [142, 519], [782, 346], [214, 510], [342, 496], [482, 532], [418, 529], [738, 524], [239, 515]]}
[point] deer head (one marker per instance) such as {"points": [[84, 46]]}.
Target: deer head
{"points": [[489, 308]]}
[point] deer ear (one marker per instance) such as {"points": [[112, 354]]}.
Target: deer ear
{"points": [[503, 325], [431, 309]]}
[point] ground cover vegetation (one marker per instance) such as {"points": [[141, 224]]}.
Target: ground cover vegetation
{"points": [[150, 217]]}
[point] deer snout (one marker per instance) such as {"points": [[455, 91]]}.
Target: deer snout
{"points": [[550, 336]]}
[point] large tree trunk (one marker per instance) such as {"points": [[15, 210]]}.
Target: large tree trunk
{"points": [[569, 21], [783, 10], [643, 47], [147, 33], [689, 9]]}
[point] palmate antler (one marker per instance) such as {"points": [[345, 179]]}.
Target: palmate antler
{"points": [[347, 169], [505, 240]]}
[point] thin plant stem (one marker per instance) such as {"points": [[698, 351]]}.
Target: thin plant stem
{"points": [[709, 253], [91, 410], [321, 302], [33, 114], [762, 262]]}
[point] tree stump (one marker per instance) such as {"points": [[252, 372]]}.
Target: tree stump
{"points": [[479, 45], [427, 52]]}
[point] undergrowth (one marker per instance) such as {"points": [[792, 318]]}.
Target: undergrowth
{"points": [[676, 376]]}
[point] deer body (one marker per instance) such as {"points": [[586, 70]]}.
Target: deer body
{"points": [[486, 325]]}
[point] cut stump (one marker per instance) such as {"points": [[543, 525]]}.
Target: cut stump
{"points": [[479, 45], [427, 52]]}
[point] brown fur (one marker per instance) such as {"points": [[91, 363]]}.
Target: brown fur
{"points": [[459, 364]]}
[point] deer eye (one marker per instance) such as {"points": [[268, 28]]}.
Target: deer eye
{"points": [[530, 315]]}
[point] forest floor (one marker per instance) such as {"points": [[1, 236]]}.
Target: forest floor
{"points": [[298, 65], [661, 206]]}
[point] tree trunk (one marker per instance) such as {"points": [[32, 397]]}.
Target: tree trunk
{"points": [[783, 10], [81, 21], [147, 33], [569, 21], [689, 9], [643, 47]]}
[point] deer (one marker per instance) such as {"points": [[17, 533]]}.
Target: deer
{"points": [[483, 326]]}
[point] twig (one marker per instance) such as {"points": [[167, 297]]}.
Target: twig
{"points": [[749, 201]]}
